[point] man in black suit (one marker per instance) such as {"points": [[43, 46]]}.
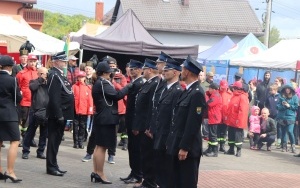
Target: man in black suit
{"points": [[184, 142], [143, 116], [60, 108], [135, 68], [166, 103]]}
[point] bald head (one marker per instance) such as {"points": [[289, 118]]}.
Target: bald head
{"points": [[43, 72]]}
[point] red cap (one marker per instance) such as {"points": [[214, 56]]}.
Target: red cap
{"points": [[223, 84], [32, 57], [238, 84], [81, 74]]}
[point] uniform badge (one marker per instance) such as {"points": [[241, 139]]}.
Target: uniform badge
{"points": [[198, 110]]}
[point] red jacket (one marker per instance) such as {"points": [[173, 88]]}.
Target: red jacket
{"points": [[83, 98], [23, 78], [214, 104], [238, 107], [119, 82], [226, 96]]}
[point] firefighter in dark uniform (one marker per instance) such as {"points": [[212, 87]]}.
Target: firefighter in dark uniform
{"points": [[160, 63], [184, 142], [135, 68], [143, 115], [60, 108], [166, 103]]}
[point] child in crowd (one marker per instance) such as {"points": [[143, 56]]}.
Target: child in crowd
{"points": [[254, 129], [83, 108], [271, 104], [214, 118]]}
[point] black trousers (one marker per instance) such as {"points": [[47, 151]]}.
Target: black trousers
{"points": [[33, 125], [235, 136], [91, 143], [55, 133], [222, 132], [254, 139], [186, 172], [163, 169], [147, 154], [79, 128], [212, 134], [134, 153]]}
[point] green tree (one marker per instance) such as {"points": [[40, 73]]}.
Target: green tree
{"points": [[59, 25], [274, 37]]}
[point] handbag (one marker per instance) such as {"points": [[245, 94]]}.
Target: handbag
{"points": [[40, 115]]}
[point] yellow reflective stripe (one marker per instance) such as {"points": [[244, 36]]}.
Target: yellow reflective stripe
{"points": [[124, 136], [23, 129], [239, 143], [231, 142], [213, 143], [221, 139]]}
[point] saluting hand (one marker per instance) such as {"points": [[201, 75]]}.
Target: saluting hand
{"points": [[148, 133], [182, 155]]}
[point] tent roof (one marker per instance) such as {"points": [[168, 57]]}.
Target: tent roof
{"points": [[128, 36], [283, 55], [216, 50], [249, 45], [17, 26], [128, 28]]}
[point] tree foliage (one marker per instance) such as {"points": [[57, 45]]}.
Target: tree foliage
{"points": [[59, 25], [274, 37]]}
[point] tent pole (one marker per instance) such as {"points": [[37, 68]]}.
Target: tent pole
{"points": [[227, 71], [80, 56]]}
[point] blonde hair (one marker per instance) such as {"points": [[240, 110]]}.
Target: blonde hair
{"points": [[274, 87]]}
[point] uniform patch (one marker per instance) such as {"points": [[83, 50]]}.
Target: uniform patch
{"points": [[198, 110]]}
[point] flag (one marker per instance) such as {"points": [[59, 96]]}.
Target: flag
{"points": [[66, 49]]}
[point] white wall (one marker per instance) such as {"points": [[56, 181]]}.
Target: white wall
{"points": [[203, 40]]}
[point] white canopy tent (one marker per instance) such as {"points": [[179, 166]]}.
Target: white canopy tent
{"points": [[283, 55], [44, 44]]}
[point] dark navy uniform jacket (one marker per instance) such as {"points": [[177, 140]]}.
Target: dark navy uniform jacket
{"points": [[61, 98], [185, 132], [166, 104], [131, 97], [105, 98], [10, 96], [143, 105]]}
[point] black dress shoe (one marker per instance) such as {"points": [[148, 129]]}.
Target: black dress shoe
{"points": [[1, 176], [132, 180], [127, 178], [55, 173], [41, 156], [62, 171], [25, 156], [75, 146]]}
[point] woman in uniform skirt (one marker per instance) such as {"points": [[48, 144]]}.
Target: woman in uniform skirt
{"points": [[10, 96], [105, 98]]}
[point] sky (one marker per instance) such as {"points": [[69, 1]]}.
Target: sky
{"points": [[285, 16]]}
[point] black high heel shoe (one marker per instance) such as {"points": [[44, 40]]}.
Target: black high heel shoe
{"points": [[99, 179], [14, 180], [93, 177]]}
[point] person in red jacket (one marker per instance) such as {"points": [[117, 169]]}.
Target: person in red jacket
{"points": [[83, 108], [237, 118], [214, 104], [23, 77], [222, 128]]}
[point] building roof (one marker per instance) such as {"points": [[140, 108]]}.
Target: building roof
{"points": [[199, 16], [107, 17], [22, 1]]}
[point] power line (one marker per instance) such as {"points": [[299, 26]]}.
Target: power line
{"points": [[289, 9]]}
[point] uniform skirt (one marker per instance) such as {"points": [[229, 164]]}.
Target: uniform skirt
{"points": [[9, 131], [105, 135]]}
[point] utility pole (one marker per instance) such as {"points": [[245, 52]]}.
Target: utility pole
{"points": [[268, 22]]}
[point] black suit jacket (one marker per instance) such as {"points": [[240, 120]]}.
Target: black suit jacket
{"points": [[61, 98], [105, 98], [143, 105], [130, 106], [166, 104], [9, 91], [162, 84], [185, 132]]}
